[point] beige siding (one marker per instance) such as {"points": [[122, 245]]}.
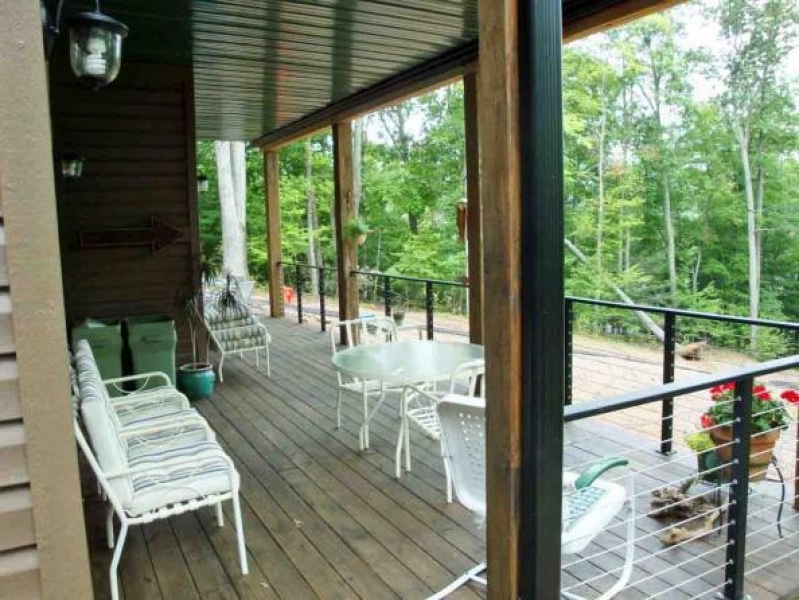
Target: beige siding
{"points": [[19, 575]]}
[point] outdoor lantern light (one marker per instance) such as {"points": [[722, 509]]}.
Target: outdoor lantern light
{"points": [[95, 43], [71, 166], [202, 183]]}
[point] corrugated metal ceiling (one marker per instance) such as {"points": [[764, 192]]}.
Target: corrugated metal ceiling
{"points": [[262, 64]]}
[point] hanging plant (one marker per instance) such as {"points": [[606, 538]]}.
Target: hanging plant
{"points": [[356, 230]]}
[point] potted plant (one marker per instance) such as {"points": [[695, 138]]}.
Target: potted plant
{"points": [[769, 417], [195, 379], [228, 298], [356, 230], [706, 460]]}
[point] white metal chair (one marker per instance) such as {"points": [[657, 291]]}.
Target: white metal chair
{"points": [[420, 408], [236, 331], [589, 503], [355, 332]]}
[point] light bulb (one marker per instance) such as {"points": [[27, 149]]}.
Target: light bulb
{"points": [[94, 63]]}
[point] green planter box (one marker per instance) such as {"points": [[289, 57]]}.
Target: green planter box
{"points": [[152, 342], [105, 338]]}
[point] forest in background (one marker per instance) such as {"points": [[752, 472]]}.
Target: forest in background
{"points": [[682, 170]]}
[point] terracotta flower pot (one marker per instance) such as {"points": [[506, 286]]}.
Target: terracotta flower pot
{"points": [[761, 450]]}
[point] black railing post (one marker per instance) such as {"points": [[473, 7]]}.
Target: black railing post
{"points": [[428, 306], [298, 283], [387, 295], [667, 408], [739, 492], [569, 346], [322, 298]]}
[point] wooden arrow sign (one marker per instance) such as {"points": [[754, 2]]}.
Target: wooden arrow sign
{"points": [[158, 235]]}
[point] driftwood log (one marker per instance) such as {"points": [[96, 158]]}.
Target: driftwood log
{"points": [[696, 516]]}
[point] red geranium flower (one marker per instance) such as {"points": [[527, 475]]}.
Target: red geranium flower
{"points": [[761, 392], [790, 396], [707, 421]]}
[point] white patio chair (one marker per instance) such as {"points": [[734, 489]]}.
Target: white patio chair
{"points": [[420, 408], [589, 503], [156, 480], [355, 332]]}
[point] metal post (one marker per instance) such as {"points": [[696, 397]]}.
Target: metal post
{"points": [[542, 295], [387, 295], [569, 356], [428, 306], [322, 298], [667, 409], [739, 492], [298, 283]]}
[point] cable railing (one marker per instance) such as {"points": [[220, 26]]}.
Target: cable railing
{"points": [[739, 527]]}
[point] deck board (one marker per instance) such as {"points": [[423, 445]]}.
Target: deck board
{"points": [[323, 520]]}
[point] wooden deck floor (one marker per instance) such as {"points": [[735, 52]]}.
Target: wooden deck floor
{"points": [[325, 521]]}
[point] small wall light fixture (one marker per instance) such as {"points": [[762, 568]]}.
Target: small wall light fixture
{"points": [[202, 183], [71, 166], [95, 42]]}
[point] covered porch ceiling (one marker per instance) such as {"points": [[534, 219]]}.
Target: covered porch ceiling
{"points": [[265, 68]]}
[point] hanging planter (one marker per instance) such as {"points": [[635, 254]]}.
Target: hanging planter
{"points": [[356, 230]]}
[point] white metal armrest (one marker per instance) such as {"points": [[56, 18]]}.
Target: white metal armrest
{"points": [[115, 382]]}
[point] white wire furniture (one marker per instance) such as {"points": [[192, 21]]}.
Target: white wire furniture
{"points": [[154, 467], [235, 330], [405, 364], [589, 503], [361, 332], [420, 407]]}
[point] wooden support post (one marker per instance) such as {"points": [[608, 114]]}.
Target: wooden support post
{"points": [[42, 527], [346, 250], [474, 224], [519, 109], [497, 109], [274, 252]]}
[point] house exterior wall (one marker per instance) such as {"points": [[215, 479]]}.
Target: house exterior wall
{"points": [[42, 537], [137, 138]]}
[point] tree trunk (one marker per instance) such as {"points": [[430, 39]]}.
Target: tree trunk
{"points": [[742, 137], [642, 317], [312, 221], [600, 211], [671, 252], [231, 164]]}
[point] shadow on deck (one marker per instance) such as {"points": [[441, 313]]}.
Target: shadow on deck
{"points": [[323, 520]]}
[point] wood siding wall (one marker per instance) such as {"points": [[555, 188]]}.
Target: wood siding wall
{"points": [[19, 563], [137, 137]]}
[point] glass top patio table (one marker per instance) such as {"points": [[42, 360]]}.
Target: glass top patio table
{"points": [[406, 362]]}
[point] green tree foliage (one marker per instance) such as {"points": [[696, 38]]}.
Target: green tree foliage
{"points": [[654, 181]]}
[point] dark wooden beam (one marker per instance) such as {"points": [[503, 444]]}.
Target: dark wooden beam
{"points": [[417, 80], [593, 17], [346, 249], [474, 224], [273, 238], [498, 123], [542, 294]]}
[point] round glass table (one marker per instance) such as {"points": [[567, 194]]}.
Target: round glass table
{"points": [[404, 364]]}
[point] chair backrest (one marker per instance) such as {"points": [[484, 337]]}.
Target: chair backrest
{"points": [[463, 440], [470, 375], [376, 329]]}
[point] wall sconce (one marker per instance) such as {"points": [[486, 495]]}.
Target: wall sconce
{"points": [[202, 183], [95, 43], [71, 166]]}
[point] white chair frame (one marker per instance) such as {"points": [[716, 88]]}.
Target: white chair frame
{"points": [[419, 407], [466, 455], [163, 512], [220, 348], [353, 332]]}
